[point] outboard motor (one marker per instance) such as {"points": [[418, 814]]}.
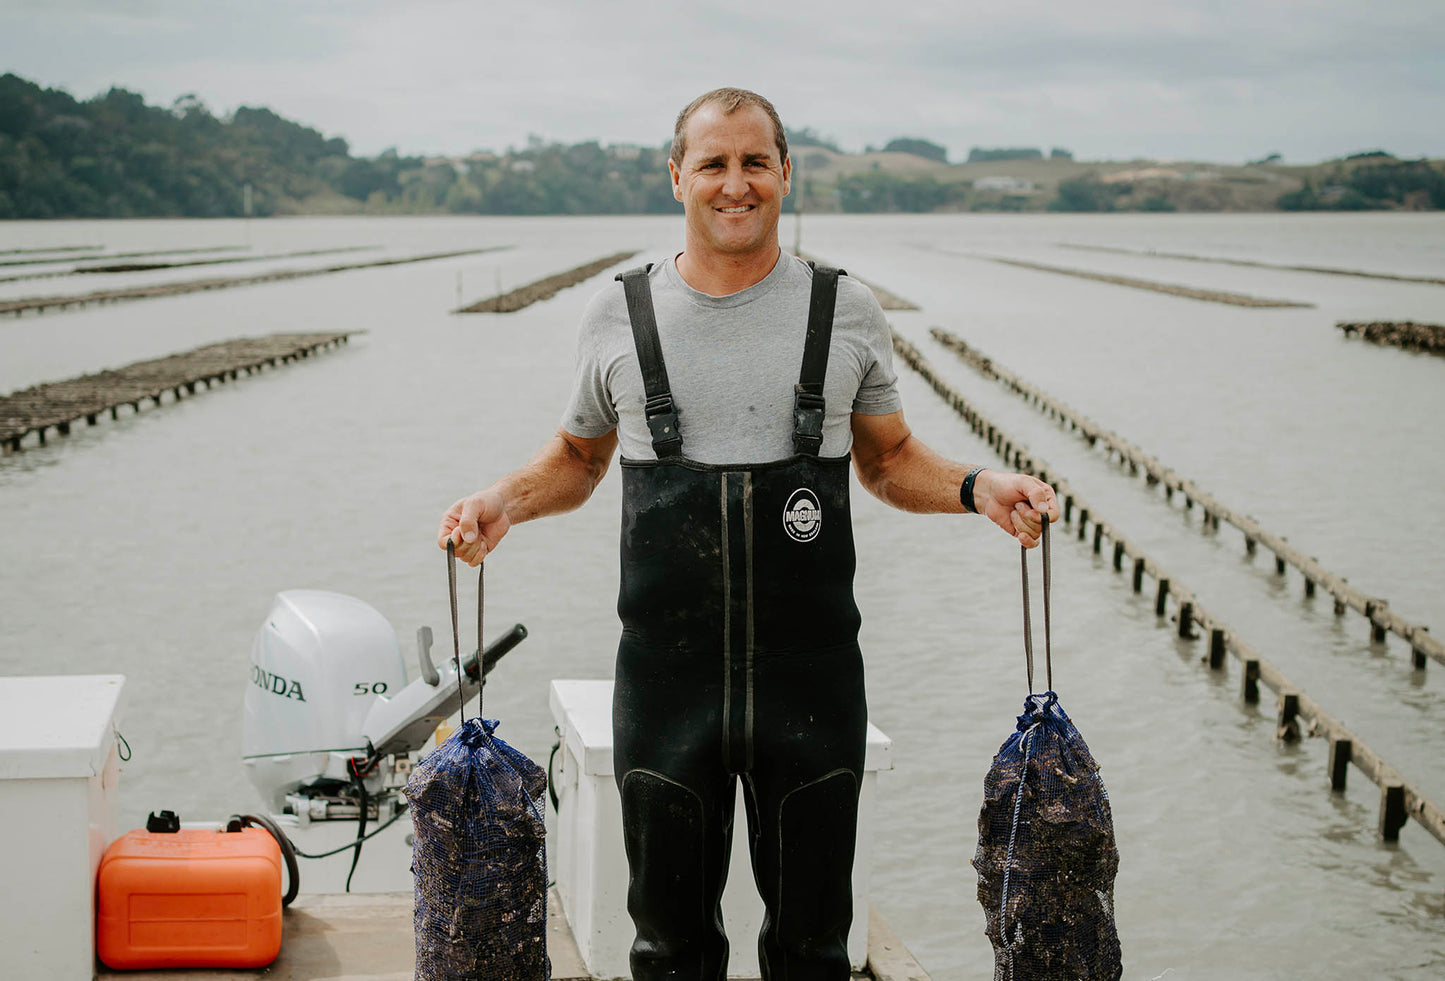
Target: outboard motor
{"points": [[319, 664], [330, 726]]}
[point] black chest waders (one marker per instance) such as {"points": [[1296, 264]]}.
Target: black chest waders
{"points": [[739, 658]]}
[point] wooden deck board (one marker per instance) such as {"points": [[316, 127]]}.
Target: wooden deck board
{"points": [[369, 937]]}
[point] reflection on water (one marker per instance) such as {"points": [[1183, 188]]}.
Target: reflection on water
{"points": [[152, 545]]}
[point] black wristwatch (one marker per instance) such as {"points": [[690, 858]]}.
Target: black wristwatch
{"points": [[965, 492]]}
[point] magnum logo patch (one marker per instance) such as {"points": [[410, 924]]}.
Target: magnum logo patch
{"points": [[803, 515]]}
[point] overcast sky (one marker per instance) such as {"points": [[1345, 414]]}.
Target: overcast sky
{"points": [[1221, 80]]}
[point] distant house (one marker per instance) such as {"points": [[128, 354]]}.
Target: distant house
{"points": [[1013, 184]]}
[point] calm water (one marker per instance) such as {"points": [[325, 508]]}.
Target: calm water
{"points": [[152, 546]]}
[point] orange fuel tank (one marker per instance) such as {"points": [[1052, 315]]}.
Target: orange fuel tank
{"points": [[189, 898]]}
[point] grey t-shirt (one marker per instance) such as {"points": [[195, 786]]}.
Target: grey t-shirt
{"points": [[732, 362]]}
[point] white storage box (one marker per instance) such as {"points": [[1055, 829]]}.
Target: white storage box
{"points": [[58, 787], [590, 864]]}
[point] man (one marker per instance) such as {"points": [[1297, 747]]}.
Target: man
{"points": [[739, 653]]}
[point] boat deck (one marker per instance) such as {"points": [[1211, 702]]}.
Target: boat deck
{"points": [[368, 937]]}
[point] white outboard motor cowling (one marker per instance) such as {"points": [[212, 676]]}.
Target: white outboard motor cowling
{"points": [[318, 665]]}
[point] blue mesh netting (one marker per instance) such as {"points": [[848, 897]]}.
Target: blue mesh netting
{"points": [[479, 861], [1046, 856]]}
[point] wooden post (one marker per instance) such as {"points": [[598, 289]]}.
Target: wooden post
{"points": [[1159, 599], [1339, 607], [1249, 683], [1118, 556], [1083, 520], [1287, 719], [1186, 620], [1377, 630], [1309, 587], [1249, 544], [1138, 575], [1278, 565], [1340, 753], [1392, 810], [1098, 538], [1216, 649], [1188, 503]]}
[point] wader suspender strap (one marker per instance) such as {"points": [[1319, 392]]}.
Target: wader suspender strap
{"points": [[661, 414], [1028, 628], [808, 405]]}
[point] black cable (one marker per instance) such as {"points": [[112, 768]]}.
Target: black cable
{"points": [[288, 852], [352, 844], [551, 780], [360, 823]]}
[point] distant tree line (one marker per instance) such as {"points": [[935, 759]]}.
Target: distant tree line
{"points": [[113, 156], [919, 148], [878, 190], [988, 155], [806, 137], [1383, 182]]}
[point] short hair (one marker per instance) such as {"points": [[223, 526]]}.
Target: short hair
{"points": [[729, 100]]}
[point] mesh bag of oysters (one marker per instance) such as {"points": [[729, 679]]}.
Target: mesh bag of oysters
{"points": [[479, 860], [1046, 857]]}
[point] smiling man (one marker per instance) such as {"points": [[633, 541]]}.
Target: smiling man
{"points": [[739, 382]]}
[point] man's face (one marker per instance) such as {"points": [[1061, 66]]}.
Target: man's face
{"points": [[731, 182]]}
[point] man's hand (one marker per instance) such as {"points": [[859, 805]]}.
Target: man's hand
{"points": [[476, 524], [1016, 502], [900, 470], [560, 477]]}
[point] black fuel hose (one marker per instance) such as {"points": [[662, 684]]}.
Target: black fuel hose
{"points": [[288, 851], [352, 844]]}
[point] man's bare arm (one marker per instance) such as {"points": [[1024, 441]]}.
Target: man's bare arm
{"points": [[899, 469], [561, 477]]}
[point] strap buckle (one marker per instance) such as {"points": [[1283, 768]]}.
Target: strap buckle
{"points": [[808, 413], [662, 422]]}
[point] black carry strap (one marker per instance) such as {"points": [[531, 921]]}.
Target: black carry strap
{"points": [[1028, 628], [661, 413], [808, 403], [456, 636]]}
